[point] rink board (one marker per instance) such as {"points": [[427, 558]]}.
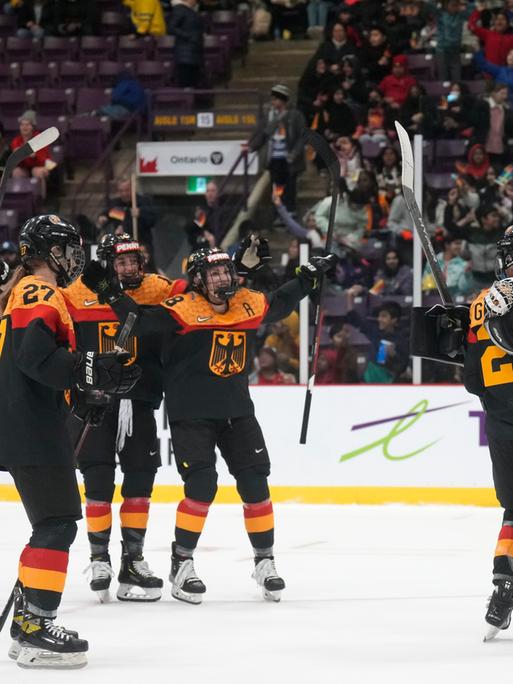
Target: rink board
{"points": [[366, 444]]}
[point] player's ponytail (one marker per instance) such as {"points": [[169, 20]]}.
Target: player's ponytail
{"points": [[19, 273]]}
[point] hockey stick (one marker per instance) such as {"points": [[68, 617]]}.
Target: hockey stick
{"points": [[32, 146], [327, 155], [8, 605], [119, 347], [416, 216]]}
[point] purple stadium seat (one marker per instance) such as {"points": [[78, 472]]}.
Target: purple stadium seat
{"points": [[476, 87], [54, 101], [60, 122], [164, 47], [440, 182], [86, 137], [421, 66], [89, 99], [436, 88], [130, 49], [21, 49], [7, 25], [9, 224], [107, 72], [335, 305], [74, 74], [5, 75], [154, 74], [97, 47], [169, 99], [13, 102], [23, 195], [34, 74], [115, 24], [447, 152], [371, 150], [57, 49]]}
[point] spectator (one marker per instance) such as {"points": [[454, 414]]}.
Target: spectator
{"points": [[283, 134], [398, 31], [336, 48], [376, 206], [337, 364], [10, 253], [34, 18], [416, 113], [493, 124], [147, 17], [292, 260], [456, 270], [376, 121], [268, 372], [208, 227], [186, 25], [393, 277], [501, 74], [450, 20], [316, 77], [341, 120], [309, 232], [388, 171], [454, 118], [76, 18], [127, 96], [460, 209], [377, 55], [481, 246], [39, 164], [118, 214], [317, 13], [477, 164], [397, 85], [497, 41], [350, 217], [284, 339], [344, 14], [352, 81], [349, 158], [390, 354], [352, 269]]}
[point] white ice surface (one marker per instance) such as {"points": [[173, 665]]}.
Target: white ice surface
{"points": [[375, 594]]}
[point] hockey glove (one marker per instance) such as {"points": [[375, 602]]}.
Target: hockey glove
{"points": [[106, 371], [453, 322], [90, 405], [315, 267], [4, 272], [98, 279], [252, 253], [499, 299]]}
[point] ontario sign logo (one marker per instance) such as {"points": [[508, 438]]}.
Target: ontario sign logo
{"points": [[402, 423]]}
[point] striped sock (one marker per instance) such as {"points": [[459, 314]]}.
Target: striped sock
{"points": [[134, 521], [259, 521], [99, 523], [42, 573], [503, 560], [190, 519]]}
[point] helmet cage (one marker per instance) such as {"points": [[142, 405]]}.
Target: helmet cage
{"points": [[113, 246], [201, 262]]}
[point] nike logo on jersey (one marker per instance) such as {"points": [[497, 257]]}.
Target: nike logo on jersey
{"points": [[202, 319], [90, 302], [152, 453], [257, 451]]}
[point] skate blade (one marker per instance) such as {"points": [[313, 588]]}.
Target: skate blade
{"points": [[135, 593], [274, 596], [39, 659], [491, 633], [103, 595], [14, 650], [186, 597]]}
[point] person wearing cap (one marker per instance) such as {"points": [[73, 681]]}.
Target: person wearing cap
{"points": [[396, 86], [39, 164], [283, 135]]}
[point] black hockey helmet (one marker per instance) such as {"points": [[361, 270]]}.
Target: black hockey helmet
{"points": [[112, 246], [199, 263], [55, 241], [504, 256]]}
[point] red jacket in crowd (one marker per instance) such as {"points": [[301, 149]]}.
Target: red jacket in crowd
{"points": [[496, 45], [36, 159], [397, 88]]}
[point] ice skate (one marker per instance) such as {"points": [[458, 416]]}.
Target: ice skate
{"points": [[101, 574], [136, 581], [498, 615], [187, 586], [44, 645], [267, 578]]}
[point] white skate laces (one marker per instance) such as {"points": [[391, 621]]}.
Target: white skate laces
{"points": [[99, 570], [56, 631], [142, 568], [185, 572], [265, 569]]}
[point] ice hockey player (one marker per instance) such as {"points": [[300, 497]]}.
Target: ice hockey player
{"points": [[128, 428], [206, 365], [37, 363]]}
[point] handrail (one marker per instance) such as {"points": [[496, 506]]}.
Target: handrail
{"points": [[105, 156]]}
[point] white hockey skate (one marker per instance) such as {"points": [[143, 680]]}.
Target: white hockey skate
{"points": [[267, 578], [100, 575], [187, 586]]}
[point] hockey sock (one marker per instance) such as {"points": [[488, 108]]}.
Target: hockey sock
{"points": [[503, 560], [134, 521], [259, 521], [42, 573], [190, 519], [99, 523]]}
